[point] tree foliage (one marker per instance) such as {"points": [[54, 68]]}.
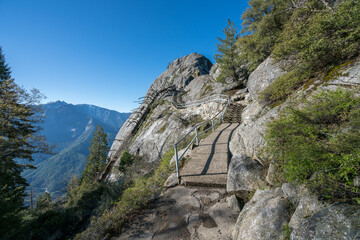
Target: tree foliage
{"points": [[43, 201], [263, 22], [227, 56], [18, 142], [318, 144], [97, 158]]}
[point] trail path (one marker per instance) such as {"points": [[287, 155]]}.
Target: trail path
{"points": [[198, 210]]}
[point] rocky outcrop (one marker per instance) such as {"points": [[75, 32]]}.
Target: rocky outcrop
{"points": [[156, 124], [249, 137], [348, 78], [335, 221], [263, 217], [231, 83], [312, 219], [263, 76], [245, 174]]}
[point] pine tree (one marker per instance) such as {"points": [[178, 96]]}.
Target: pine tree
{"points": [[227, 56], [18, 142], [98, 156], [43, 201]]}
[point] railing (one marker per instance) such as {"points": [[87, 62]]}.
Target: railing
{"points": [[219, 117], [212, 98]]}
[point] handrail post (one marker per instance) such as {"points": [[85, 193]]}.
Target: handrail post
{"points": [[177, 164], [197, 136], [212, 125]]}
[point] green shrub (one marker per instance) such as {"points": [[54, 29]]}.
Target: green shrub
{"points": [[134, 198], [314, 41], [125, 160], [317, 144], [307, 35]]}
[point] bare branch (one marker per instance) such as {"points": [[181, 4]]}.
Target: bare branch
{"points": [[327, 5]]}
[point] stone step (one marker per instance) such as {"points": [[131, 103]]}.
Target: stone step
{"points": [[233, 113]]}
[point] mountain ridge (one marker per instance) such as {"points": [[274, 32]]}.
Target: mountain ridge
{"points": [[70, 128]]}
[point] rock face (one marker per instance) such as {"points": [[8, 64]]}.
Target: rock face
{"points": [[244, 174], [181, 72], [263, 216], [263, 76], [249, 137], [348, 78]]}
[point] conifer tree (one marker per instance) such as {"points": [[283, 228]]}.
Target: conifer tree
{"points": [[43, 201], [98, 156], [227, 56], [18, 142]]}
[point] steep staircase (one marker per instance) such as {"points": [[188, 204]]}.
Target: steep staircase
{"points": [[233, 113], [208, 163]]}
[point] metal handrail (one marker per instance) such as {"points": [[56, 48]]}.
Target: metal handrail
{"points": [[212, 98], [197, 134]]}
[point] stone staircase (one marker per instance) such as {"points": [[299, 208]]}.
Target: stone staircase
{"points": [[233, 113], [208, 162]]}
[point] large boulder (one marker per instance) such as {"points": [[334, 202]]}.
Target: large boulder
{"points": [[263, 217], [230, 82], [248, 138], [245, 174], [336, 221], [263, 76], [314, 219]]}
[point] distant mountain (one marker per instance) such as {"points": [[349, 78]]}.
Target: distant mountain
{"points": [[70, 127]]}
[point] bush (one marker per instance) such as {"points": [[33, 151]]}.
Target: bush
{"points": [[314, 41], [125, 161], [306, 35], [317, 144], [134, 198]]}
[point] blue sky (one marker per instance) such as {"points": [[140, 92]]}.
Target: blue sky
{"points": [[106, 52]]}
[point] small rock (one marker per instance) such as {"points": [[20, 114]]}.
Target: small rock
{"points": [[233, 203], [291, 192], [244, 90], [357, 181], [271, 174], [172, 181]]}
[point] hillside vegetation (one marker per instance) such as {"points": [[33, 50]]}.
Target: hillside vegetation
{"points": [[309, 39], [317, 144]]}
